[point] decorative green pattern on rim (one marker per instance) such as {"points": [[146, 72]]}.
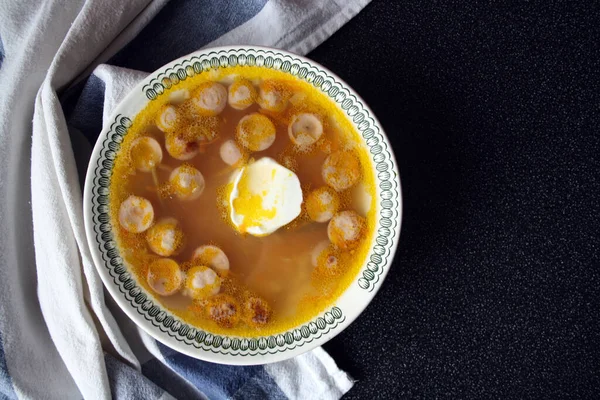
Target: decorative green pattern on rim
{"points": [[388, 195]]}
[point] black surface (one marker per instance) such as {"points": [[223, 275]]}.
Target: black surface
{"points": [[493, 113]]}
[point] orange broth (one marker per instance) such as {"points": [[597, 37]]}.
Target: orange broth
{"points": [[276, 267]]}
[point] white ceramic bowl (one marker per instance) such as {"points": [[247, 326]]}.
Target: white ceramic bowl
{"points": [[148, 313]]}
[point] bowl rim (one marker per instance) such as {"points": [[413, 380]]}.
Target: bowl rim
{"points": [[333, 316]]}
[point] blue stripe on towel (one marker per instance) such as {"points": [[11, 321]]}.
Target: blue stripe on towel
{"points": [[173, 383], [223, 381], [6, 388], [1, 52], [87, 114], [128, 383], [181, 27]]}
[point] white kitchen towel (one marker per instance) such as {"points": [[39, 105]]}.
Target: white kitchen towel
{"points": [[60, 337]]}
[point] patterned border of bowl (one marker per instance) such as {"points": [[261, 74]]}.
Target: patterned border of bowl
{"points": [[141, 306]]}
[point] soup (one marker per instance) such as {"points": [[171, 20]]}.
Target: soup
{"points": [[243, 200]]}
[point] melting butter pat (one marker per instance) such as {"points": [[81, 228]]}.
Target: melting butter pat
{"points": [[265, 197]]}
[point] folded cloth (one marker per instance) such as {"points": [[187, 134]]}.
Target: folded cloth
{"points": [[60, 336]]}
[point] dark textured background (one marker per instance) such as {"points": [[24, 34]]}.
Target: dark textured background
{"points": [[493, 113]]}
